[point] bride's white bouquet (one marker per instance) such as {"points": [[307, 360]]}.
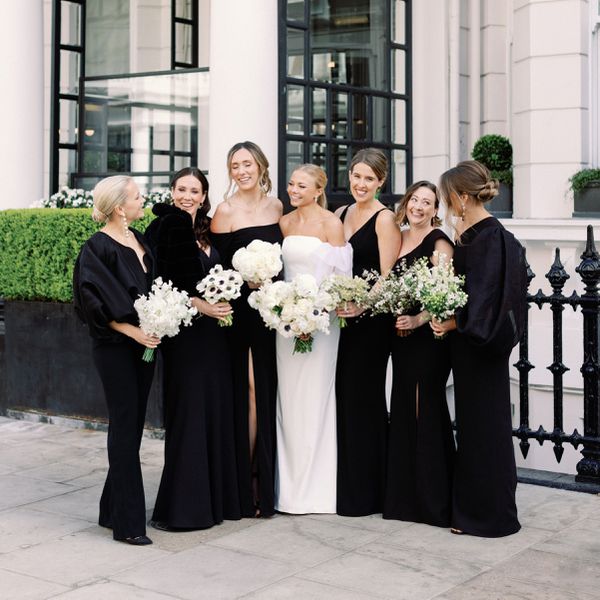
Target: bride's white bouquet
{"points": [[163, 311], [258, 262], [221, 285], [345, 288], [295, 308]]}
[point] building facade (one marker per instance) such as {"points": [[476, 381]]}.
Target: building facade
{"points": [[94, 87]]}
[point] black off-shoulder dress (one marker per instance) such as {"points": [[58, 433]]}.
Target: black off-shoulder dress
{"points": [[249, 334], [421, 444], [107, 279]]}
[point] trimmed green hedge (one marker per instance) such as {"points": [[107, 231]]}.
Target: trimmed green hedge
{"points": [[38, 248]]}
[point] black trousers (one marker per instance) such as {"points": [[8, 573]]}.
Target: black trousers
{"points": [[126, 380]]}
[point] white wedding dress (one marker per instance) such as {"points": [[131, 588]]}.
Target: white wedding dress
{"points": [[305, 479]]}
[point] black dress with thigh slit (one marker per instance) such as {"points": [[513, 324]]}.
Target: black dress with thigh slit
{"points": [[249, 335], [421, 444], [488, 327], [362, 419], [198, 487]]}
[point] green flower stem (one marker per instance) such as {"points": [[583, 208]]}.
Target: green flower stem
{"points": [[302, 346], [148, 355]]}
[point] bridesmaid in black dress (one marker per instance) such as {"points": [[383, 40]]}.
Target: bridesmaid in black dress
{"points": [[421, 444], [113, 268], [198, 488], [365, 345], [487, 328], [248, 214]]}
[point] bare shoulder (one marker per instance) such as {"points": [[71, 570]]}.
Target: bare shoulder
{"points": [[386, 217], [340, 210], [275, 203], [221, 221], [444, 246], [285, 223], [333, 227]]}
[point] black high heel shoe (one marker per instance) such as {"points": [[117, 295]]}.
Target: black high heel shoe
{"points": [[139, 540]]}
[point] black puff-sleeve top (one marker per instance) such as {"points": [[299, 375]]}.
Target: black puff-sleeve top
{"points": [[107, 279]]}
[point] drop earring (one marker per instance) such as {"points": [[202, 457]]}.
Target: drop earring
{"points": [[125, 227], [464, 210]]}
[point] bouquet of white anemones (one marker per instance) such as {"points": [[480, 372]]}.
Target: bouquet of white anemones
{"points": [[221, 285], [163, 311], [439, 290], [345, 288], [258, 262], [295, 309]]}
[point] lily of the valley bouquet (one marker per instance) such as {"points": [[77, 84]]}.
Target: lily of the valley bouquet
{"points": [[344, 289], [258, 262], [439, 290], [296, 308], [221, 285], [163, 311]]}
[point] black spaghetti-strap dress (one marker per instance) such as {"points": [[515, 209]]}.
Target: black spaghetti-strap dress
{"points": [[488, 326], [421, 444], [249, 334], [362, 419]]}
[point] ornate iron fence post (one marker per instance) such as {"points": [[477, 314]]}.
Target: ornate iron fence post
{"points": [[588, 468]]}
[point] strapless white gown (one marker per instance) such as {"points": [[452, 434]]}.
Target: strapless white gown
{"points": [[305, 479]]}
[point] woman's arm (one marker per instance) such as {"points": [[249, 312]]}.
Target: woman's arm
{"points": [[442, 246], [135, 333], [389, 240], [222, 219]]}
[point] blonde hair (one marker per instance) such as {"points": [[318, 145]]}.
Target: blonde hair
{"points": [[264, 180], [318, 174], [374, 158], [108, 194], [401, 218], [467, 177]]}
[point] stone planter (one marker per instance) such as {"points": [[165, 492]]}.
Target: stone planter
{"points": [[502, 205], [587, 201], [48, 365]]}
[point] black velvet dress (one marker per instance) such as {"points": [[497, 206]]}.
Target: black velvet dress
{"points": [[248, 334], [198, 487], [107, 279], [362, 419], [421, 444], [488, 327]]}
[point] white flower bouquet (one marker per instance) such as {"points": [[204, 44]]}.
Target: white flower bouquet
{"points": [[258, 262], [345, 288], [296, 308], [157, 195], [221, 285], [163, 311], [439, 290]]}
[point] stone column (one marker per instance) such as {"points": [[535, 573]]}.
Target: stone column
{"points": [[243, 83], [21, 103]]}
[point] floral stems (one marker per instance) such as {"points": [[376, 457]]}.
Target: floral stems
{"points": [[225, 321], [303, 344], [148, 355]]}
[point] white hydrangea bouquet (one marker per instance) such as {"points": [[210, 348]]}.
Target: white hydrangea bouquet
{"points": [[439, 290], [296, 308], [221, 285], [163, 311], [258, 262], [345, 288]]}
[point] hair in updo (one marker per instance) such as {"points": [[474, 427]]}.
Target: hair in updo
{"points": [[401, 218], [467, 177], [264, 180], [108, 194], [318, 174], [374, 158]]}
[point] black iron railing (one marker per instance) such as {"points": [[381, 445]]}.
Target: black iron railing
{"points": [[588, 468]]}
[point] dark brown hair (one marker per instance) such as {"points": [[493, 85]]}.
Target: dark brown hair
{"points": [[401, 218], [201, 222], [374, 158]]}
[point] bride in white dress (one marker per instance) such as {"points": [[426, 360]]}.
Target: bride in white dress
{"points": [[314, 243]]}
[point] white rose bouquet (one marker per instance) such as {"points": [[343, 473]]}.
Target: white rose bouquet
{"points": [[258, 262], [221, 285], [345, 288], [295, 309], [439, 290], [163, 311]]}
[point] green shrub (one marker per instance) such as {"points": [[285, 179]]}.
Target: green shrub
{"points": [[495, 152], [38, 248], [581, 179]]}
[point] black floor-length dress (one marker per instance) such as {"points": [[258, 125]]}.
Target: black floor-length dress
{"points": [[488, 327], [421, 444], [362, 419], [198, 487], [248, 334], [107, 279]]}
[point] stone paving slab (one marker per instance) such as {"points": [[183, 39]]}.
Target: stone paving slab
{"points": [[51, 477]]}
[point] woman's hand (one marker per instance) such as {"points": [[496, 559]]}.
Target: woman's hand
{"points": [[136, 334], [441, 328], [220, 310], [408, 322], [253, 285], [349, 310]]}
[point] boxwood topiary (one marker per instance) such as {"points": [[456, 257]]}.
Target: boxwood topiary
{"points": [[495, 152], [38, 248], [582, 178]]}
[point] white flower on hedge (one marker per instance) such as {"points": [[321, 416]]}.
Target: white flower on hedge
{"points": [[258, 262]]}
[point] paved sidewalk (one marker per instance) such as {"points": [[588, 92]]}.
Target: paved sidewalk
{"points": [[51, 547]]}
